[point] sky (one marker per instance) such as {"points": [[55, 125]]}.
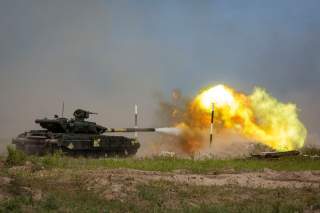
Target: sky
{"points": [[106, 56]]}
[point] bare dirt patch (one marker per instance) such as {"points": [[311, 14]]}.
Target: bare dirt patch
{"points": [[129, 188], [118, 183], [266, 179]]}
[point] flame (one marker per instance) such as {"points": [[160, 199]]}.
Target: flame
{"points": [[258, 117], [220, 95]]}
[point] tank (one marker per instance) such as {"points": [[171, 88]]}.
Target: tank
{"points": [[77, 137]]}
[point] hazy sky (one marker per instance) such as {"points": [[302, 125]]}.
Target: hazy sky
{"points": [[107, 55]]}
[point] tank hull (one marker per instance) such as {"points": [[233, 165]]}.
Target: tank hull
{"points": [[41, 142]]}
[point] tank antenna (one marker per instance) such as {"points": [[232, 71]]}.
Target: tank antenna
{"points": [[136, 120], [62, 110]]}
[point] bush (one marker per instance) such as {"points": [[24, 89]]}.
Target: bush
{"points": [[51, 203], [15, 157], [15, 204], [57, 159]]}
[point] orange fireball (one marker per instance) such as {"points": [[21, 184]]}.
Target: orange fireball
{"points": [[259, 117]]}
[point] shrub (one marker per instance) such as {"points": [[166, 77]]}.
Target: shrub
{"points": [[57, 159], [51, 203], [15, 157]]}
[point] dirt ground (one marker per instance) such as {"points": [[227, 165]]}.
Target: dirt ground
{"points": [[145, 189], [115, 183], [266, 179]]}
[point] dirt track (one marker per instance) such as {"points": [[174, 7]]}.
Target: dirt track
{"points": [[266, 179], [129, 185]]}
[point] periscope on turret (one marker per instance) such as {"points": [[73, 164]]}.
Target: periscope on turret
{"points": [[77, 136]]}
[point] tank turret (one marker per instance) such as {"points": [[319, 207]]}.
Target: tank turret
{"points": [[78, 124]]}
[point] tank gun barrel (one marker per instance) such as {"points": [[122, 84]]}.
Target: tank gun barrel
{"points": [[130, 130]]}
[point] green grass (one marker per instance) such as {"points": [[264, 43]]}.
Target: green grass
{"points": [[57, 197], [71, 195], [168, 197], [67, 192], [15, 157], [165, 164], [171, 164]]}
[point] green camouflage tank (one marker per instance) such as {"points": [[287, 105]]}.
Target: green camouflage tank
{"points": [[77, 136]]}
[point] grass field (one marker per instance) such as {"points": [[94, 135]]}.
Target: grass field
{"points": [[158, 196], [63, 184], [171, 164], [168, 164]]}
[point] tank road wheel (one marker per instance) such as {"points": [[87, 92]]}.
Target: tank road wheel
{"points": [[126, 153], [133, 152], [130, 152]]}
